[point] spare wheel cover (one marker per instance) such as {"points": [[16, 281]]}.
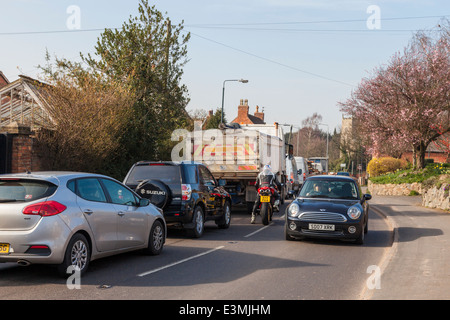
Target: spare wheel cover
{"points": [[156, 191]]}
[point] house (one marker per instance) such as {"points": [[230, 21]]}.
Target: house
{"points": [[24, 101], [438, 151], [23, 110], [244, 117]]}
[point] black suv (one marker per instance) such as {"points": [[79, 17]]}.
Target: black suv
{"points": [[187, 193]]}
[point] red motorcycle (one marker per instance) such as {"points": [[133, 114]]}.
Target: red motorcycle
{"points": [[266, 198]]}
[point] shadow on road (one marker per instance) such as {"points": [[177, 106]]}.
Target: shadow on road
{"points": [[406, 234]]}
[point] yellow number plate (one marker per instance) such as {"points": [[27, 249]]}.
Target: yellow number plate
{"points": [[4, 248], [265, 198]]}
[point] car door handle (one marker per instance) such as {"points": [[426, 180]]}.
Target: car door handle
{"points": [[121, 213], [88, 211]]}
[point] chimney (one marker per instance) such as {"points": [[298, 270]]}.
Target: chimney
{"points": [[243, 109], [258, 114]]}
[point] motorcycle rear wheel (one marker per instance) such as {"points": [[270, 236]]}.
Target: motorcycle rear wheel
{"points": [[265, 213]]}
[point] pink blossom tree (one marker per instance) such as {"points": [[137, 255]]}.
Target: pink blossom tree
{"points": [[401, 106]]}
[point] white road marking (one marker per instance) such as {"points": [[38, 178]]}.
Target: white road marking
{"points": [[254, 232], [178, 262]]}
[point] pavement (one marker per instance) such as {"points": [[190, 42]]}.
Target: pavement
{"points": [[417, 266]]}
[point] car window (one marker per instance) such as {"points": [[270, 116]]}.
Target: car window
{"points": [[90, 189], [119, 194], [206, 176], [190, 174], [71, 185], [168, 174], [12, 190], [329, 189]]}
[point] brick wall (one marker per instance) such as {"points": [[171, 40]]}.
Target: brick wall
{"points": [[24, 153], [439, 157]]}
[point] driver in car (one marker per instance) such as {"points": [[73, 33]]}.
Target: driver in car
{"points": [[319, 189]]}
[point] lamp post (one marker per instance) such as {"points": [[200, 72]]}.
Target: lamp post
{"points": [[223, 93]]}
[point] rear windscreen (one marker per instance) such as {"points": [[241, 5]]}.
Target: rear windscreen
{"points": [[25, 190], [166, 173]]}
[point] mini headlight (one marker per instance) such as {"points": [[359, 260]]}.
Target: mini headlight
{"points": [[353, 212], [293, 210]]}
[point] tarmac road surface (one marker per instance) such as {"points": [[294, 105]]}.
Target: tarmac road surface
{"points": [[245, 262]]}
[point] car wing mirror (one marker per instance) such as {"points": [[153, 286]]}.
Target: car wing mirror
{"points": [[143, 202]]}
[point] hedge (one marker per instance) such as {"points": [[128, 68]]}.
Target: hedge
{"points": [[383, 165]]}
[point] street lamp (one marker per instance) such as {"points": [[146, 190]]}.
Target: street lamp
{"points": [[223, 93]]}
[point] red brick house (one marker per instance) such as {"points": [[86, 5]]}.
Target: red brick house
{"points": [[438, 150], [244, 117]]}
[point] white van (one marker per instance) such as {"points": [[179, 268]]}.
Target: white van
{"points": [[292, 183], [302, 169]]}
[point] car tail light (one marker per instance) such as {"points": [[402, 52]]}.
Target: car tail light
{"points": [[44, 209], [186, 191]]}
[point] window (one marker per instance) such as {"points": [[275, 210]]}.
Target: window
{"points": [[166, 173], [329, 189], [90, 189], [71, 185], [190, 173], [119, 194], [25, 189], [206, 176]]}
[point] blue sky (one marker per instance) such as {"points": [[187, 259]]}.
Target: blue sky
{"points": [[300, 56]]}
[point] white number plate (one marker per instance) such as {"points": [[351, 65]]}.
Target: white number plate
{"points": [[326, 227]]}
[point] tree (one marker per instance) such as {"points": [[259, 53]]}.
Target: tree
{"points": [[88, 116], [147, 56], [310, 137], [213, 121], [401, 105]]}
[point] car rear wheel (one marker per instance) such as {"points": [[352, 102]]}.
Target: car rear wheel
{"points": [[225, 220], [199, 223], [156, 239], [77, 255]]}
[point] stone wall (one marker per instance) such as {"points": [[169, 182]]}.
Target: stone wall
{"points": [[432, 197], [437, 198], [391, 189]]}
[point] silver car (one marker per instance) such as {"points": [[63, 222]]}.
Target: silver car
{"points": [[69, 219]]}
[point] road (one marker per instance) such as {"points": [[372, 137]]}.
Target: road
{"points": [[245, 262]]}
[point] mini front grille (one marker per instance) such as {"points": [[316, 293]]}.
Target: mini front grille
{"points": [[322, 217]]}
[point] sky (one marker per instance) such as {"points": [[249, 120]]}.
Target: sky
{"points": [[299, 56]]}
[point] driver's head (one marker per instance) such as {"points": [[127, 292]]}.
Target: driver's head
{"points": [[319, 187], [267, 170]]}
